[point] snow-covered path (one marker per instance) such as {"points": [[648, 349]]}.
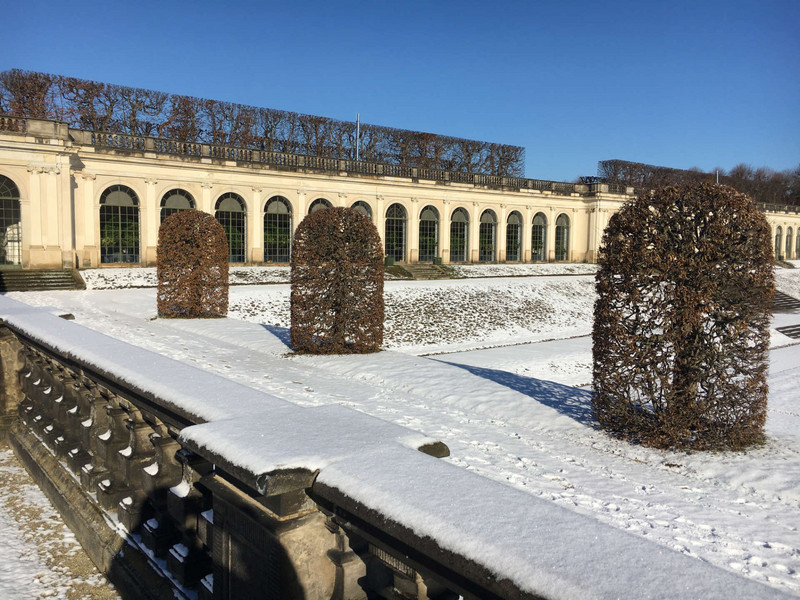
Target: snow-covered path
{"points": [[510, 413]]}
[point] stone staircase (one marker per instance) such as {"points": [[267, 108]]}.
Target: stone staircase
{"points": [[426, 271], [18, 280]]}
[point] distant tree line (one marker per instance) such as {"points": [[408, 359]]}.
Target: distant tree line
{"points": [[762, 184], [105, 107]]}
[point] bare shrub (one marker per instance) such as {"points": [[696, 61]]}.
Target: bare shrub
{"points": [[192, 266], [337, 284], [681, 323]]}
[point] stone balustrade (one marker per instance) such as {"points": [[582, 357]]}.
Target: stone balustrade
{"points": [[158, 473]]}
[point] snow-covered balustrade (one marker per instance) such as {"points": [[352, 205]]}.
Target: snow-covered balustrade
{"points": [[179, 482]]}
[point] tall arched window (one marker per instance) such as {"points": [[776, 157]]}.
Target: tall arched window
{"points": [[778, 242], [539, 238], [459, 235], [231, 212], [487, 237], [428, 234], [10, 223], [119, 225], [363, 208], [277, 230], [514, 237], [562, 237], [319, 204], [788, 243], [175, 201], [395, 232], [797, 246]]}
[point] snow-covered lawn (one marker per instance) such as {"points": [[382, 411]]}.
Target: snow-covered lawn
{"points": [[490, 367]]}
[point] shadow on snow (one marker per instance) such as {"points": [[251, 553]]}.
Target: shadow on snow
{"points": [[569, 401]]}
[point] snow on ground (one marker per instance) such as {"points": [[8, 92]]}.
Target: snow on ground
{"points": [[523, 270], [511, 413], [116, 278], [39, 556]]}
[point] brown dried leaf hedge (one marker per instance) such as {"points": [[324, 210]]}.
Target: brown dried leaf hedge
{"points": [[192, 266], [337, 284], [681, 323]]}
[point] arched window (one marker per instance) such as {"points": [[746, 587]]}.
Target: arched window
{"points": [[277, 230], [175, 201], [395, 232], [487, 236], [363, 208], [459, 235], [119, 225], [10, 223], [231, 212], [788, 243], [428, 234], [539, 238], [514, 237], [319, 204], [797, 246], [562, 237], [778, 242]]}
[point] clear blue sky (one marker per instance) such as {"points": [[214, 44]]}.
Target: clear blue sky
{"points": [[675, 83]]}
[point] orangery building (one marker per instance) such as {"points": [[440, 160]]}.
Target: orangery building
{"points": [[72, 198]]}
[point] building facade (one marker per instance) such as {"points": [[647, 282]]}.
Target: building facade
{"points": [[73, 198]]}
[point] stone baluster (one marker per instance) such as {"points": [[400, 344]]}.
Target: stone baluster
{"points": [[43, 393], [27, 375], [95, 429], [111, 487], [139, 452], [69, 437], [80, 422], [188, 560], [158, 532], [54, 398]]}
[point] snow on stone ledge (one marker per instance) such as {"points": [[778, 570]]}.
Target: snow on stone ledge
{"points": [[541, 547]]}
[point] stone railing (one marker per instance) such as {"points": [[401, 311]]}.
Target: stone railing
{"points": [[179, 483], [13, 124]]}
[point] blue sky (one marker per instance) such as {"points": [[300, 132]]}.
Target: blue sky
{"points": [[679, 84]]}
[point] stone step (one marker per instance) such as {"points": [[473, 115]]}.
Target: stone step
{"points": [[38, 280], [426, 271]]}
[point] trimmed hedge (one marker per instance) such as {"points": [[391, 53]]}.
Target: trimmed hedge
{"points": [[192, 266], [337, 284], [681, 323]]}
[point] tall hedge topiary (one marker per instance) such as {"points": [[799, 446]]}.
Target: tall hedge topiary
{"points": [[192, 266], [681, 323], [337, 284]]}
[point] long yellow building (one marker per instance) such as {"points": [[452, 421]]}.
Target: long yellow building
{"points": [[73, 198]]}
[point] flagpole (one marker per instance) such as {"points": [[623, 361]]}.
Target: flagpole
{"points": [[358, 135]]}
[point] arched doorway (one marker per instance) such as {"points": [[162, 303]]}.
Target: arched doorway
{"points": [[428, 234], [778, 242], [789, 241], [10, 224], [119, 225], [562, 237], [175, 201], [395, 232], [277, 230], [487, 236], [539, 238], [514, 237], [319, 204], [363, 208], [231, 212], [459, 235]]}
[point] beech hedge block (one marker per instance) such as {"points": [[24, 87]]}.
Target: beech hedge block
{"points": [[192, 266], [681, 323], [337, 284]]}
